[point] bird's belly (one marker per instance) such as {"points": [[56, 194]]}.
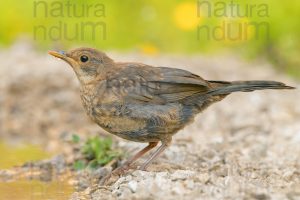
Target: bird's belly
{"points": [[115, 119], [127, 128], [141, 123]]}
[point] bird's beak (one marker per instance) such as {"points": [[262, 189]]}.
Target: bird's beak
{"points": [[62, 55], [58, 54]]}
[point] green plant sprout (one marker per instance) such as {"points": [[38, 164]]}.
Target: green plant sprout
{"points": [[96, 152]]}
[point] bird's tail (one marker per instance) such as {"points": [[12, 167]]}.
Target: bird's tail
{"points": [[224, 88]]}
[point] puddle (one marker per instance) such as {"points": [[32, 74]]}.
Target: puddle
{"points": [[35, 190], [14, 155], [17, 155]]}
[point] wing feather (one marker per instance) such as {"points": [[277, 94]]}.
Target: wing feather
{"points": [[157, 84]]}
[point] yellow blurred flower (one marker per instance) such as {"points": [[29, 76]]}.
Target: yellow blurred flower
{"points": [[149, 49], [185, 16]]}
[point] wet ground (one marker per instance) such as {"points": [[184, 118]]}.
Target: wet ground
{"points": [[245, 147]]}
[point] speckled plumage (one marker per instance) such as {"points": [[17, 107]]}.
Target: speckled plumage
{"points": [[143, 103]]}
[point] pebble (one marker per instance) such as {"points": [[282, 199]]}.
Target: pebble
{"points": [[133, 185], [182, 175]]}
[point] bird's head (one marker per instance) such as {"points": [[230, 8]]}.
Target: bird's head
{"points": [[87, 63]]}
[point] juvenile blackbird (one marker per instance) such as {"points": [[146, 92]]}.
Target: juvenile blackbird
{"points": [[142, 103]]}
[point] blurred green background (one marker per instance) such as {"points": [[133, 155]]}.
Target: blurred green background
{"points": [[155, 27]]}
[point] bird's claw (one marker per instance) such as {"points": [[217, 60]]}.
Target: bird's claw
{"points": [[120, 171]]}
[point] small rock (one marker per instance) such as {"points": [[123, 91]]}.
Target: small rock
{"points": [[223, 171], [288, 174], [100, 194], [182, 175], [59, 162], [209, 154], [101, 172], [139, 173], [293, 195], [128, 178], [161, 179], [123, 192], [132, 185], [178, 188], [261, 196], [118, 183], [190, 184], [204, 178], [5, 175]]}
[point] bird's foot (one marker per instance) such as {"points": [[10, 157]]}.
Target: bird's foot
{"points": [[143, 168], [121, 170], [118, 172]]}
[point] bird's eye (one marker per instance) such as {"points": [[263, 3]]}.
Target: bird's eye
{"points": [[84, 58]]}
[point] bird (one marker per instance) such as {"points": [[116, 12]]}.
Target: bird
{"points": [[144, 103]]}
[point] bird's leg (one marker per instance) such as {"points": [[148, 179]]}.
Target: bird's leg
{"points": [[120, 170], [163, 147]]}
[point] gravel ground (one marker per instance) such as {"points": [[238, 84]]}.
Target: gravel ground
{"points": [[245, 147]]}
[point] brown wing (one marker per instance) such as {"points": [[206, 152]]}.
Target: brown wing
{"points": [[137, 82]]}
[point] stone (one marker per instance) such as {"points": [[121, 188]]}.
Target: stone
{"points": [[133, 185]]}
